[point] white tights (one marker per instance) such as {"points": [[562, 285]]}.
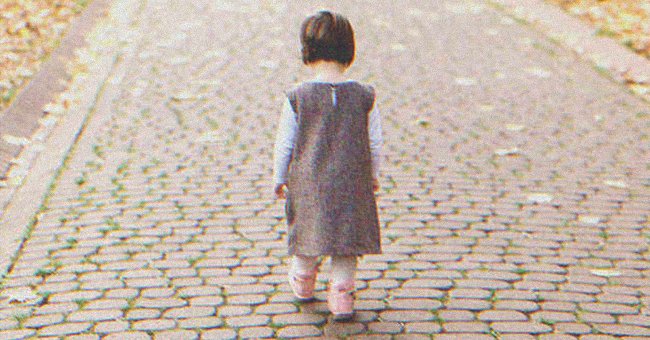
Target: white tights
{"points": [[343, 267]]}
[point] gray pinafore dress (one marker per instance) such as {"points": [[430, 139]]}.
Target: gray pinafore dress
{"points": [[331, 207]]}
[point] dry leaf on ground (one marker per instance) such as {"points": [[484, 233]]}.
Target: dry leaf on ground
{"points": [[625, 20], [30, 29]]}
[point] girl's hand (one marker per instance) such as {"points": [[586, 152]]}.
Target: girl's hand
{"points": [[375, 184], [279, 191]]}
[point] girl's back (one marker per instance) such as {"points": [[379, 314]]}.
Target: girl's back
{"points": [[331, 198], [329, 143]]}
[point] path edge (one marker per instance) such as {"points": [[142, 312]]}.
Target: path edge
{"points": [[604, 53], [21, 212], [51, 78]]}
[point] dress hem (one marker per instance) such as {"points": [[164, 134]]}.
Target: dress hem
{"points": [[335, 254]]}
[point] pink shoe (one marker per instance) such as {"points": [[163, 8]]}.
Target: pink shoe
{"points": [[303, 285], [340, 300]]}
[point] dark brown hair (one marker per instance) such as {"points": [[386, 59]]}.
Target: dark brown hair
{"points": [[327, 36]]}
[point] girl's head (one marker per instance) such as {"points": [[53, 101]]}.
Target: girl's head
{"points": [[327, 36]]}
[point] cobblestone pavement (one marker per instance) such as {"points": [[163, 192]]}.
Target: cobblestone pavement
{"points": [[514, 200]]}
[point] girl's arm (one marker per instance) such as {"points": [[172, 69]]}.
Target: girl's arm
{"points": [[376, 140], [284, 141]]}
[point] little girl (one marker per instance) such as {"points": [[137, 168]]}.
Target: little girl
{"points": [[328, 141]]}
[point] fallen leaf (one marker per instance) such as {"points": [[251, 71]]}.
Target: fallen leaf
{"points": [[540, 198], [466, 7], [85, 57], [398, 47], [19, 295], [486, 107], [527, 41], [179, 61], [180, 36], [538, 72], [216, 53], [465, 81], [416, 12], [146, 55], [507, 152], [23, 72], [380, 23], [165, 43], [207, 83], [596, 12], [184, 95], [211, 137], [188, 25], [515, 127], [13, 140], [277, 43], [48, 121], [507, 21], [137, 92], [269, 64], [54, 108], [640, 89], [605, 272], [423, 122], [616, 184], [589, 219]]}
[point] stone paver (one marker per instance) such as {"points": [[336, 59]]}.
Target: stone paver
{"points": [[513, 198]]}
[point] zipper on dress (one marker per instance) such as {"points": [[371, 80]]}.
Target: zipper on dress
{"points": [[333, 95]]}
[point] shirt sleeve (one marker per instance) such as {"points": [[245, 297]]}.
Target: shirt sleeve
{"points": [[284, 141], [376, 139]]}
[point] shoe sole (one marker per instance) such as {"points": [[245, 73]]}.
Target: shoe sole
{"points": [[298, 297], [304, 299], [343, 317]]}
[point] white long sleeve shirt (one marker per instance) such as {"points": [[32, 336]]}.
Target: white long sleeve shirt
{"points": [[286, 136]]}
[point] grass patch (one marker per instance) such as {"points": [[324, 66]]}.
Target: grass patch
{"points": [[9, 95], [43, 272], [45, 296], [194, 260], [604, 32], [97, 150], [20, 318], [604, 235], [277, 325], [603, 71], [212, 123], [81, 180], [111, 225], [81, 302], [547, 322], [70, 242], [493, 295], [495, 334], [520, 21], [521, 271], [122, 167], [541, 47], [437, 318]]}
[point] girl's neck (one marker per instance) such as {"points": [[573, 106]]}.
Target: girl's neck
{"points": [[329, 71]]}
